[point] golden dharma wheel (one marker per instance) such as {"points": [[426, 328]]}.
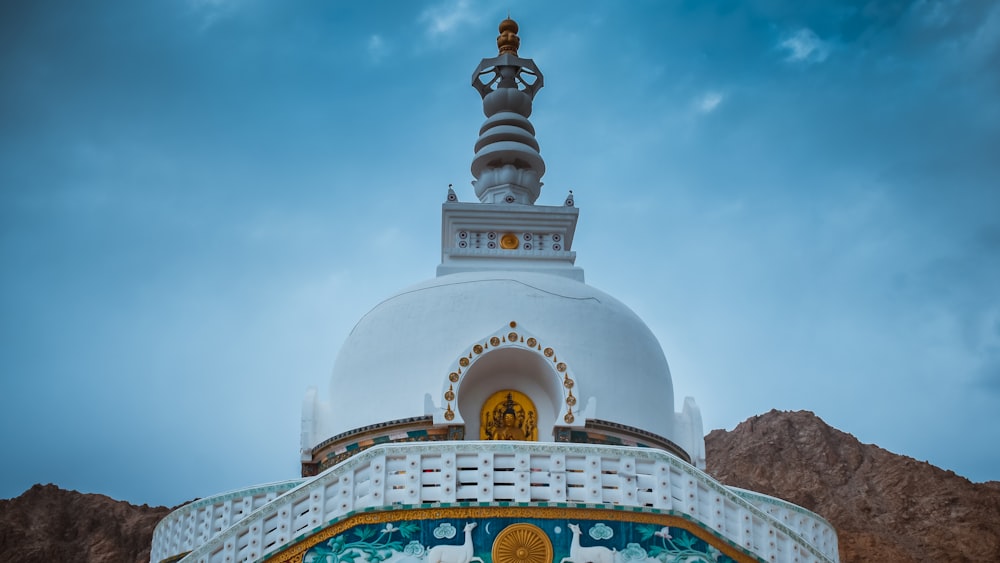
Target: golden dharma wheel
{"points": [[509, 241], [522, 543]]}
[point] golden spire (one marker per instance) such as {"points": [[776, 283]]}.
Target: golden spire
{"points": [[508, 41]]}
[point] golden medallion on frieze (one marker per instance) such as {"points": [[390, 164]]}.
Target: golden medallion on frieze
{"points": [[548, 352], [522, 543], [531, 342], [464, 362], [512, 337], [561, 367], [453, 377], [478, 348], [509, 241], [508, 415], [495, 341]]}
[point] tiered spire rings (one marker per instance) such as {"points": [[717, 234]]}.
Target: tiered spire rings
{"points": [[508, 167]]}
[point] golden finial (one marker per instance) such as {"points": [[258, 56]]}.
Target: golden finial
{"points": [[508, 41]]}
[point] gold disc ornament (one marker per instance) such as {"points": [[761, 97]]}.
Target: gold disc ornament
{"points": [[522, 543], [509, 241]]}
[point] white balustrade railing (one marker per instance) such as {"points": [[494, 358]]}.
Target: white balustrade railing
{"points": [[199, 521], [414, 474], [810, 526]]}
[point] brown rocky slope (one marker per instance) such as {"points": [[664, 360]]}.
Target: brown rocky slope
{"points": [[885, 507], [48, 524]]}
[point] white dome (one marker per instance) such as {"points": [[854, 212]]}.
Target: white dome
{"points": [[406, 347]]}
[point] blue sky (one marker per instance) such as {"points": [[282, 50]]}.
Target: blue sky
{"points": [[199, 198]]}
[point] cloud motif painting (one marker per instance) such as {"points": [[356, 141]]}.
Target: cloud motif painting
{"points": [[445, 531], [601, 531]]}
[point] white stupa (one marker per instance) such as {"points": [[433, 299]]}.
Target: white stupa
{"points": [[504, 398]]}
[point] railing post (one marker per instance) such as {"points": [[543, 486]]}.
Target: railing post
{"points": [[414, 474], [522, 477], [376, 481], [557, 472], [205, 524], [449, 477], [718, 509], [344, 495], [627, 481], [229, 551], [690, 497], [484, 480], [768, 545], [746, 529], [592, 478], [284, 522], [663, 497], [316, 502], [256, 540]]}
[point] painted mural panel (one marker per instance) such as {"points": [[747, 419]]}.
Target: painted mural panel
{"points": [[509, 535]]}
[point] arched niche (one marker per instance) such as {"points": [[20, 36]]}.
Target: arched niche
{"points": [[519, 369]]}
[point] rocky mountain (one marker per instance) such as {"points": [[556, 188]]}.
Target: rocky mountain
{"points": [[885, 507], [47, 524]]}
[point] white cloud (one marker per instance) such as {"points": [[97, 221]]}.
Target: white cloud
{"points": [[804, 46], [446, 16], [707, 102], [377, 48], [211, 11], [986, 38], [934, 13]]}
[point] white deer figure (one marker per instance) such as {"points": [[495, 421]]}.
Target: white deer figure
{"points": [[455, 553], [579, 554]]}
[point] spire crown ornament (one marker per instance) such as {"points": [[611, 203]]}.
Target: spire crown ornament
{"points": [[507, 166], [508, 41]]}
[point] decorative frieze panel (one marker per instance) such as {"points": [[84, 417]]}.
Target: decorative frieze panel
{"points": [[523, 243], [478, 236], [537, 534]]}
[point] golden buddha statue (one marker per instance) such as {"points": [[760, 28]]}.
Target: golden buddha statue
{"points": [[508, 415]]}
